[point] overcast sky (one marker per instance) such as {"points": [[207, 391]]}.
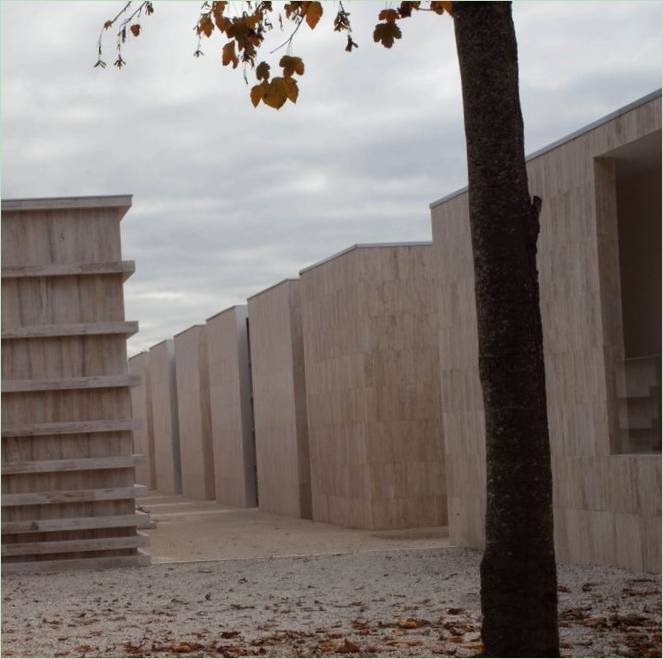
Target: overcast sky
{"points": [[229, 199]]}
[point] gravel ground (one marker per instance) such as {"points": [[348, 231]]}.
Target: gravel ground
{"points": [[405, 603]]}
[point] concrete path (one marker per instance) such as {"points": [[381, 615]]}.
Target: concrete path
{"points": [[189, 530]]}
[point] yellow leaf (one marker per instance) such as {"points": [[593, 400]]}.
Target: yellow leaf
{"points": [[313, 13], [228, 55]]}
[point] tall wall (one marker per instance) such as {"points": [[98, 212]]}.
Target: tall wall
{"points": [[67, 454], [141, 407], [279, 398], [372, 383], [165, 422], [607, 506], [192, 377], [231, 408]]}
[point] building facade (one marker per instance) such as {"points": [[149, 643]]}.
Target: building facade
{"points": [[599, 264], [370, 344]]}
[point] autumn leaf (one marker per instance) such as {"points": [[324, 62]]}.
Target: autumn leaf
{"points": [[258, 92], [292, 65], [405, 10], [217, 11], [108, 24], [135, 29], [291, 88], [348, 647], [262, 71], [181, 647], [386, 33], [412, 623], [276, 94], [389, 15], [205, 25], [441, 7], [228, 55], [292, 8], [313, 13]]}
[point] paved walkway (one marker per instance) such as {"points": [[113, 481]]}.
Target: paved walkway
{"points": [[189, 530]]}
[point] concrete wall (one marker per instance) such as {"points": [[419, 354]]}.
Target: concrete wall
{"points": [[279, 400], [67, 464], [607, 506], [231, 408], [192, 377], [141, 409], [373, 389], [165, 423]]}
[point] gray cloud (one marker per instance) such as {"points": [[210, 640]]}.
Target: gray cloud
{"points": [[229, 199]]}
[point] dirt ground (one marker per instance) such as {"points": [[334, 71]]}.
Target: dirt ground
{"points": [[231, 583]]}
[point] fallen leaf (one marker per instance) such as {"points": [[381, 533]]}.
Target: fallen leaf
{"points": [[412, 623], [181, 647], [348, 647]]}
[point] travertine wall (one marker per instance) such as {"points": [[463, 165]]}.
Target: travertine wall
{"points": [[67, 464], [279, 400], [373, 388], [231, 408], [192, 376], [607, 506], [141, 408], [165, 423]]}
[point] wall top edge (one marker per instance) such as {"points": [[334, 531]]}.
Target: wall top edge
{"points": [[122, 202], [158, 344], [364, 246], [234, 306], [269, 288], [188, 329], [567, 138]]}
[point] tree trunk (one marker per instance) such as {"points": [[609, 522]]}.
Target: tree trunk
{"points": [[518, 572]]}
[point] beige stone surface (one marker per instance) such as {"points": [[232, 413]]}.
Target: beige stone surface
{"points": [[279, 400], [68, 470], [193, 407], [165, 422], [141, 409], [193, 530], [373, 388], [231, 407], [604, 502]]}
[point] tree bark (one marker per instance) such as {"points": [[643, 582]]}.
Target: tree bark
{"points": [[518, 572]]}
